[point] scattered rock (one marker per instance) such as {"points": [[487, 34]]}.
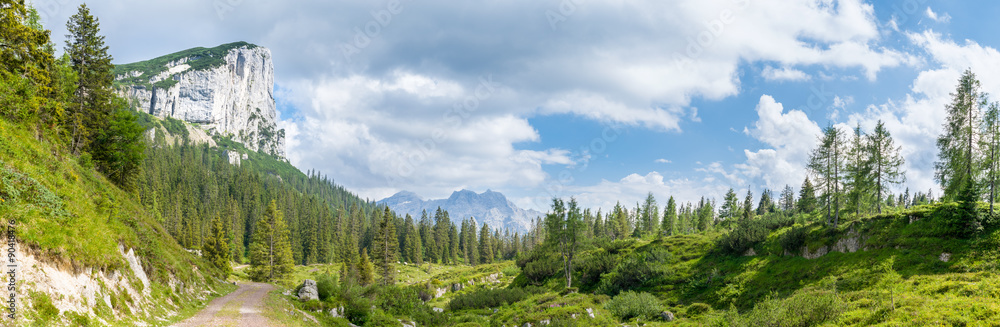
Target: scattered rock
{"points": [[337, 312], [456, 287], [945, 256], [527, 324], [667, 316], [438, 310], [439, 292], [750, 253], [308, 291], [287, 292], [406, 323], [544, 322], [590, 312]]}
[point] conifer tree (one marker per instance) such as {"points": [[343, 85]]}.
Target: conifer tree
{"points": [[807, 197], [670, 217], [991, 151], [886, 162], [485, 248], [958, 144], [92, 63], [747, 207], [385, 248], [216, 247], [858, 171], [365, 270], [270, 251], [413, 247], [827, 163], [787, 200], [649, 215]]}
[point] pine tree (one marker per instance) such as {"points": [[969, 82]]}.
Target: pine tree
{"points": [[807, 197], [270, 251], [730, 205], [428, 237], [886, 162], [385, 248], [958, 144], [705, 212], [119, 148], [92, 63], [766, 204], [670, 217], [365, 270], [413, 247], [216, 247], [485, 248]]}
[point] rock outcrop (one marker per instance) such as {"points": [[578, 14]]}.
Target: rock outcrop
{"points": [[308, 291], [226, 90]]}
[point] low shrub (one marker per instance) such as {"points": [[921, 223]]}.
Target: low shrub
{"points": [[793, 240], [491, 298], [636, 270], [326, 286], [809, 308], [630, 305]]}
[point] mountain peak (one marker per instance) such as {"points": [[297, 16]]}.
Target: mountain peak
{"points": [[490, 207]]}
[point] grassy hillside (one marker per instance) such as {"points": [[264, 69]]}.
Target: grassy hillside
{"points": [[201, 58], [907, 270], [68, 215]]}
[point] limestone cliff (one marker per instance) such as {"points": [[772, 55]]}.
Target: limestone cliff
{"points": [[226, 90]]}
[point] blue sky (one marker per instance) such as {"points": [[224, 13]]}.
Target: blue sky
{"points": [[601, 100]]}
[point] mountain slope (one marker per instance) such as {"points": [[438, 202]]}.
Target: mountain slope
{"points": [[227, 90], [87, 252], [489, 207]]}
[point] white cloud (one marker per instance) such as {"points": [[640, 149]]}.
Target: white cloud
{"points": [[936, 17], [661, 160], [791, 137], [784, 74]]}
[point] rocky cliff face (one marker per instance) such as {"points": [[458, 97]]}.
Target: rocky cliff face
{"points": [[489, 207], [226, 90]]}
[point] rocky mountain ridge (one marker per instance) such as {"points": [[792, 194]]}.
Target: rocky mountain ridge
{"points": [[225, 90], [489, 207]]}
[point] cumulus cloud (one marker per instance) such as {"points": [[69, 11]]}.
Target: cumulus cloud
{"points": [[784, 74], [408, 109], [661, 160], [791, 136]]}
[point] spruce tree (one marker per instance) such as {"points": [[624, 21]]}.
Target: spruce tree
{"points": [[92, 63], [385, 248], [270, 251], [807, 197], [990, 145], [670, 217], [365, 270], [747, 208], [216, 247], [485, 248]]}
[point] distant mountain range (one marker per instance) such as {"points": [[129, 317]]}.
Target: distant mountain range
{"points": [[488, 207]]}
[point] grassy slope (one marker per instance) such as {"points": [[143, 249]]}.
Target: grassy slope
{"points": [[202, 58], [69, 213]]}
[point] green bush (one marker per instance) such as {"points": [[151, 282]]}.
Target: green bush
{"points": [[326, 286], [809, 308], [539, 265], [630, 305], [490, 298], [745, 236], [636, 270], [591, 266], [381, 319], [793, 240], [86, 161]]}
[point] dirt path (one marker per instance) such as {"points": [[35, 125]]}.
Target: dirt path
{"points": [[242, 307]]}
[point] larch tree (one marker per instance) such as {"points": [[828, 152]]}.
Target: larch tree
{"points": [[786, 200], [958, 144], [991, 151], [858, 179], [886, 163], [564, 225], [827, 162]]}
